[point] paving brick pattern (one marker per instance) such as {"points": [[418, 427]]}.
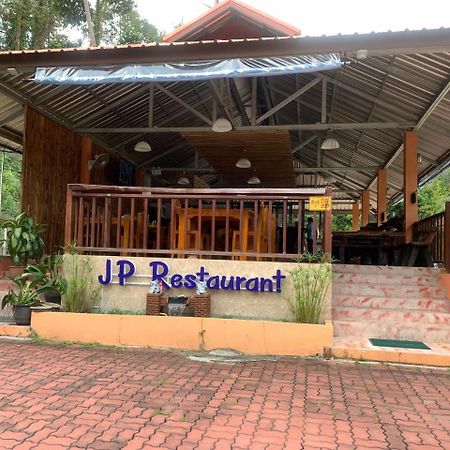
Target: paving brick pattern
{"points": [[60, 396]]}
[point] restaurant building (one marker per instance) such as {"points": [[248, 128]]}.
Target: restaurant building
{"points": [[212, 149]]}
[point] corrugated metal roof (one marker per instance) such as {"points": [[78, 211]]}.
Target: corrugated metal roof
{"points": [[382, 88]]}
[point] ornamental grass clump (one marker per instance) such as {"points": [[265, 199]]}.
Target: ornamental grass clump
{"points": [[311, 283], [82, 292]]}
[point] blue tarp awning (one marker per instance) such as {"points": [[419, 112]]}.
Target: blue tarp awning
{"points": [[202, 70]]}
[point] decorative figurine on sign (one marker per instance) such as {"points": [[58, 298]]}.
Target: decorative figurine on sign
{"points": [[201, 287], [155, 287]]}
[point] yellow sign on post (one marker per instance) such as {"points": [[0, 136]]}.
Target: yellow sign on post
{"points": [[320, 203]]}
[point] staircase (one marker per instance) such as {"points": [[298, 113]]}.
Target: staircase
{"points": [[390, 302]]}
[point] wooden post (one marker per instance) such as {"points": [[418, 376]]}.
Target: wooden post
{"points": [[410, 183], [365, 207], [447, 237], [355, 216], [381, 196], [140, 177], [327, 230], [68, 222], [86, 155]]}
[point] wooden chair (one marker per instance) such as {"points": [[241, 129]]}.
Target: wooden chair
{"points": [[418, 253], [194, 240], [258, 243]]}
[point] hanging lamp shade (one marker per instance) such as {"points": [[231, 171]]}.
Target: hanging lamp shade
{"points": [[142, 147], [254, 180], [222, 125], [329, 144], [183, 181], [243, 163]]}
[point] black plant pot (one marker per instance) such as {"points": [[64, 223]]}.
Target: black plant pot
{"points": [[22, 315], [52, 296]]}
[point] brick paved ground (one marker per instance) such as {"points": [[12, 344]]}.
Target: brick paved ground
{"points": [[58, 397]]}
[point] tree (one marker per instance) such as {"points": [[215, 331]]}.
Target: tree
{"points": [[342, 222], [29, 24], [136, 30], [90, 24], [10, 187], [433, 196], [107, 16]]}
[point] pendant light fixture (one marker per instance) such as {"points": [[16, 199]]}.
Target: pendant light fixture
{"points": [[183, 181], [222, 125], [254, 180], [142, 147], [243, 163], [330, 144]]}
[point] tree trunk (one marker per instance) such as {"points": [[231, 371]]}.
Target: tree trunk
{"points": [[90, 25]]}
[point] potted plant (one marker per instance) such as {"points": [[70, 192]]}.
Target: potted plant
{"points": [[24, 239], [48, 273], [24, 294]]}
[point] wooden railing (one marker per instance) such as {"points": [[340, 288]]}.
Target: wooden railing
{"points": [[223, 223], [440, 223]]}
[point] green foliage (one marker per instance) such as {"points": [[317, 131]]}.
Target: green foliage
{"points": [[433, 196], [48, 273], [136, 30], [24, 239], [118, 22], [82, 292], [311, 283], [25, 291], [12, 168], [342, 222], [29, 24], [26, 24]]}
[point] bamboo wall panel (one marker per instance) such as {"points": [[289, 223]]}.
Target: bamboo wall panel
{"points": [[51, 160]]}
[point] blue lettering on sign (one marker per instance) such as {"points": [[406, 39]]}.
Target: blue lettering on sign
{"points": [[160, 272]]}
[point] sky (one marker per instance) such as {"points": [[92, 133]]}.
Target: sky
{"points": [[316, 17]]}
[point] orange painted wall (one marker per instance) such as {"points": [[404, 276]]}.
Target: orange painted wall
{"points": [[257, 337]]}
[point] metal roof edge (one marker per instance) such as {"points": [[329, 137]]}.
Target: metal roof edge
{"points": [[385, 43]]}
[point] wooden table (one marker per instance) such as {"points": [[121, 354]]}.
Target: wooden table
{"points": [[213, 215], [373, 245]]}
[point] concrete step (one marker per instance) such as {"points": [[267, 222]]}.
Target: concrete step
{"points": [[388, 290], [408, 317], [382, 279], [394, 330], [386, 270], [395, 303]]}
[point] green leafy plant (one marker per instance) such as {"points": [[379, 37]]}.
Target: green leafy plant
{"points": [[24, 239], [25, 292], [311, 283], [82, 292], [49, 273]]}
